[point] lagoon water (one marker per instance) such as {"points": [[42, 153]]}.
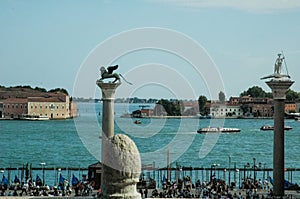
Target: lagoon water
{"points": [[76, 142]]}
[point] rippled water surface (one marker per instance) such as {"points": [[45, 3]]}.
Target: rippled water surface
{"points": [[77, 143]]}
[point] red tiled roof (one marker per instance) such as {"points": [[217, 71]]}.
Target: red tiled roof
{"points": [[46, 99], [15, 100]]}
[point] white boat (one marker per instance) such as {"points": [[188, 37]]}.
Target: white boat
{"points": [[218, 130], [271, 128], [34, 117]]}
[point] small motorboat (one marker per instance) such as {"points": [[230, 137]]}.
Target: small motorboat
{"points": [[218, 130], [271, 128], [137, 122]]}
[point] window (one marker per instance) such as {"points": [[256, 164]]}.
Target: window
{"points": [[51, 106], [41, 107]]}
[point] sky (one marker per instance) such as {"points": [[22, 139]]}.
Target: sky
{"points": [[166, 49]]}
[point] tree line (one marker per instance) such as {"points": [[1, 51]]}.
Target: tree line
{"points": [[255, 92], [43, 90]]}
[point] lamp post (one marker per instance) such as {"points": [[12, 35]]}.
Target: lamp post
{"points": [[254, 176], [264, 172], [43, 171], [229, 169], [238, 171], [58, 174], [246, 165], [214, 165]]}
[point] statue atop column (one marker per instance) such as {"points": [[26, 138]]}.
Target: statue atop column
{"points": [[278, 64], [108, 73], [278, 75], [121, 162]]}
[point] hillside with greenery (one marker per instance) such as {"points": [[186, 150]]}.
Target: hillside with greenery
{"points": [[27, 89]]}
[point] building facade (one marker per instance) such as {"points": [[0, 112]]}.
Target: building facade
{"points": [[14, 108], [290, 107], [53, 106], [222, 110]]}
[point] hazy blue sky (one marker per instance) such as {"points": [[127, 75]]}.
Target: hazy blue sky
{"points": [[47, 43]]}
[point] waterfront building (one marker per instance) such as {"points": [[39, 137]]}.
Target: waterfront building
{"points": [[18, 102], [146, 112], [297, 107], [1, 109], [262, 110], [56, 107], [234, 100], [14, 107], [290, 107], [225, 110]]}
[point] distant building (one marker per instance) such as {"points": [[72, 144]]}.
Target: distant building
{"points": [[234, 100], [290, 107], [297, 107], [14, 107], [223, 110], [262, 110], [1, 109], [15, 103], [146, 112], [53, 107]]}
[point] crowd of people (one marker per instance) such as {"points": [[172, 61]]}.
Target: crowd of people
{"points": [[215, 188], [181, 188], [35, 187]]}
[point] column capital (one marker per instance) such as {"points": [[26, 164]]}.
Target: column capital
{"points": [[108, 89], [279, 88]]}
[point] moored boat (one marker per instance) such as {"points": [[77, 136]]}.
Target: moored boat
{"points": [[34, 117], [271, 128], [218, 130]]}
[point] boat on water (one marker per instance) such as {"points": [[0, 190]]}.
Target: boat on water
{"points": [[218, 130], [137, 122], [34, 117], [271, 128]]}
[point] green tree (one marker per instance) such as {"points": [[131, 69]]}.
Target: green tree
{"points": [[40, 89], [59, 90], [245, 108], [292, 95], [201, 102], [254, 91], [172, 107]]}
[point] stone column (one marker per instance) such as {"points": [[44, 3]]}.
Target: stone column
{"points": [[279, 89], [108, 96], [121, 163]]}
